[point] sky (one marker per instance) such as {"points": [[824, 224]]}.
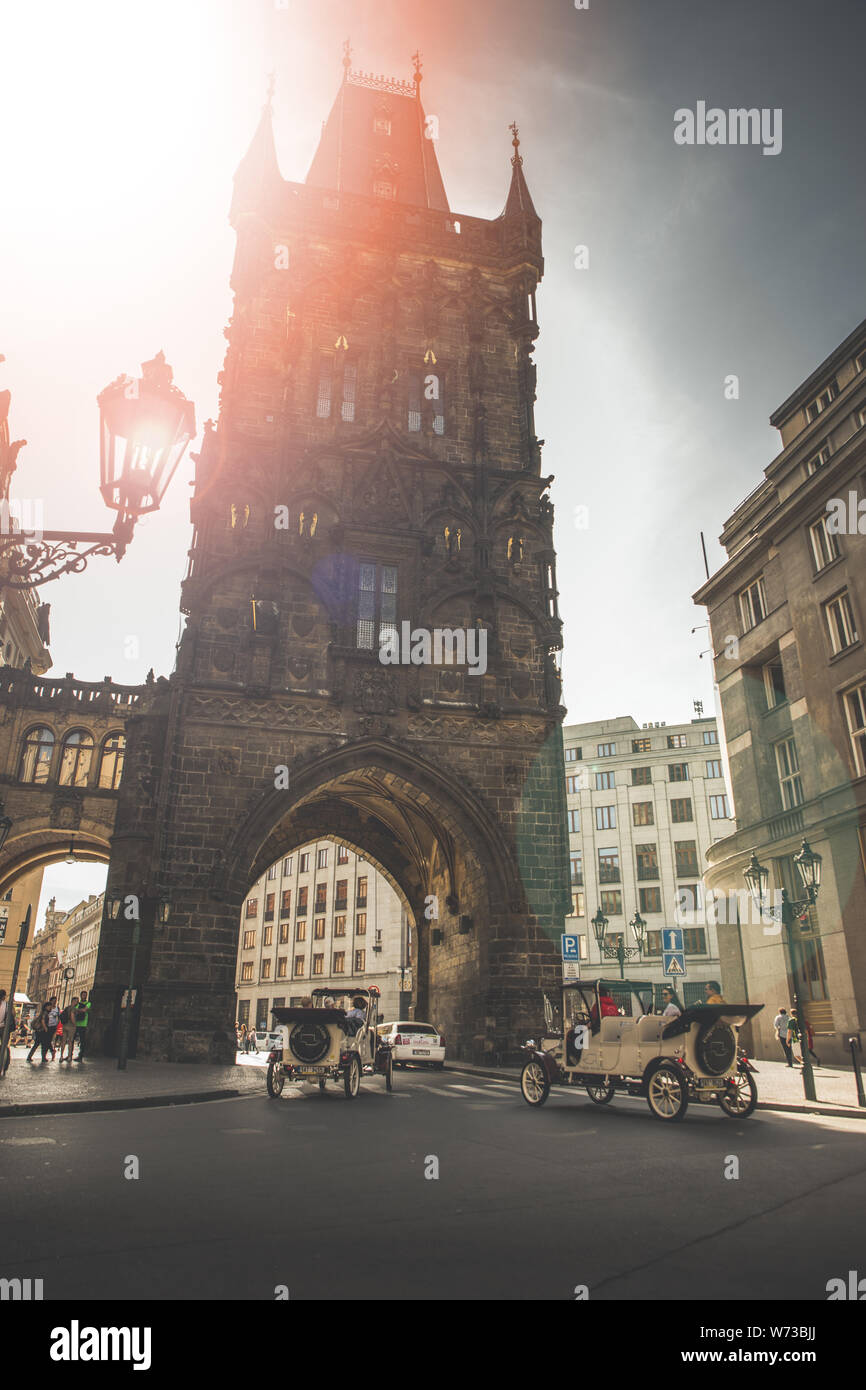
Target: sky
{"points": [[123, 127]]}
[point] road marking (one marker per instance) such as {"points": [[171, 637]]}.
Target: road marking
{"points": [[242, 1131], [22, 1142]]}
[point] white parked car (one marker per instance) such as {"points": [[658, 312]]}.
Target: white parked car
{"points": [[415, 1042]]}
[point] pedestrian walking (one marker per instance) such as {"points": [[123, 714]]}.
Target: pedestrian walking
{"points": [[82, 1014], [810, 1042], [253, 1040], [780, 1023], [242, 1040], [67, 1020], [53, 1022], [42, 1034], [793, 1036]]}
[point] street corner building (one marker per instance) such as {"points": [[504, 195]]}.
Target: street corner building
{"points": [[787, 613], [374, 462]]}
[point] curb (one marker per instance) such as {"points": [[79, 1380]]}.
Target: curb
{"points": [[78, 1107], [785, 1107]]}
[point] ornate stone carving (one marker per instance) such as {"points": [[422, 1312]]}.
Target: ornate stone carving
{"points": [[375, 692], [66, 809]]}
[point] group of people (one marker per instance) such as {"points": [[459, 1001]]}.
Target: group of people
{"points": [[51, 1028], [248, 1038], [788, 1031], [672, 1006]]}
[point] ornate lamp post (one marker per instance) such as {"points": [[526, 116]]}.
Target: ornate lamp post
{"points": [[145, 425], [620, 951], [756, 876]]}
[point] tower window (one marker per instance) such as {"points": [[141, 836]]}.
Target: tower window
{"points": [[338, 382], [377, 605], [382, 125], [426, 386], [384, 188]]}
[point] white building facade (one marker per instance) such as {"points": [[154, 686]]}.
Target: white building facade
{"points": [[644, 805], [322, 917]]}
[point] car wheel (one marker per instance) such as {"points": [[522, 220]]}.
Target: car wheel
{"points": [[438, 1066], [534, 1085], [389, 1073], [600, 1091], [667, 1094], [740, 1096], [276, 1080], [352, 1077]]}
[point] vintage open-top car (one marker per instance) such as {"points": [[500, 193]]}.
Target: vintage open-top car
{"points": [[605, 1037], [323, 1042]]}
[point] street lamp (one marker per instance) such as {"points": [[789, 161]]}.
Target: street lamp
{"points": [[756, 876], [620, 951], [145, 425]]}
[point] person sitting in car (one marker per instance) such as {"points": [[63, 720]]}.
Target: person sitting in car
{"points": [[671, 1006], [357, 1015], [608, 1008], [713, 991]]}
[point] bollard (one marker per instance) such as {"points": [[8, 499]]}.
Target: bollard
{"points": [[856, 1046]]}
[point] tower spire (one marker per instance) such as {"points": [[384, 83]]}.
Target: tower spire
{"points": [[519, 202]]}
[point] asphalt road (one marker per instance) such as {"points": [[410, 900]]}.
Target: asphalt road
{"points": [[329, 1198]]}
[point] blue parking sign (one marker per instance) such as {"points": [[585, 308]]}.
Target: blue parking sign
{"points": [[570, 949]]}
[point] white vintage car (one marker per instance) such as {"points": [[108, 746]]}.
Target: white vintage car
{"points": [[605, 1037], [321, 1042]]}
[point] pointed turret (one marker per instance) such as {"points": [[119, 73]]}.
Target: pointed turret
{"points": [[518, 202], [258, 182]]}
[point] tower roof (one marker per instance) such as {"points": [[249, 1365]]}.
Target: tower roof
{"points": [[518, 201], [258, 175], [376, 133]]}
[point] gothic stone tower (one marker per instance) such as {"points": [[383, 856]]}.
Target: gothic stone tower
{"points": [[374, 471]]}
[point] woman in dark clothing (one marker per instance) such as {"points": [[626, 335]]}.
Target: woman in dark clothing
{"points": [[42, 1035]]}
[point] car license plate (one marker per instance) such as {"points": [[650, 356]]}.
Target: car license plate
{"points": [[420, 1052]]}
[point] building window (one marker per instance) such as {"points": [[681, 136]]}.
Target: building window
{"points": [[641, 776], [678, 772], [377, 605], [299, 967], [76, 755], [714, 767], [855, 710], [642, 813], [608, 866], [340, 925], [686, 855], [36, 756], [574, 822], [653, 944], [247, 970], [647, 861], [774, 683], [572, 785], [821, 402], [650, 899], [572, 755], [269, 907], [603, 781], [268, 936], [577, 868], [611, 902], [282, 962], [788, 767], [753, 604], [322, 859], [272, 871], [301, 929], [719, 808], [287, 865], [840, 623], [607, 750], [641, 745], [578, 905], [426, 386], [710, 736], [337, 378], [342, 854], [681, 810], [677, 741], [284, 932], [695, 941], [319, 929], [360, 962], [825, 544], [249, 939], [301, 904], [605, 818], [321, 897], [243, 1011], [689, 897], [339, 962], [111, 762], [286, 903], [341, 894], [266, 970], [819, 459], [361, 924], [252, 906], [303, 863], [318, 965], [361, 899]]}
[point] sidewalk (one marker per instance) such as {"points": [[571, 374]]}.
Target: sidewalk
{"points": [[779, 1087]]}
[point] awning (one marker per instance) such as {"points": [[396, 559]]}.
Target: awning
{"points": [[22, 999]]}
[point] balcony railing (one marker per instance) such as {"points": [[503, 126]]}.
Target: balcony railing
{"points": [[607, 874], [645, 871]]}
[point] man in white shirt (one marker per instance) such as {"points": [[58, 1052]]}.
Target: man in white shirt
{"points": [[780, 1023]]}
